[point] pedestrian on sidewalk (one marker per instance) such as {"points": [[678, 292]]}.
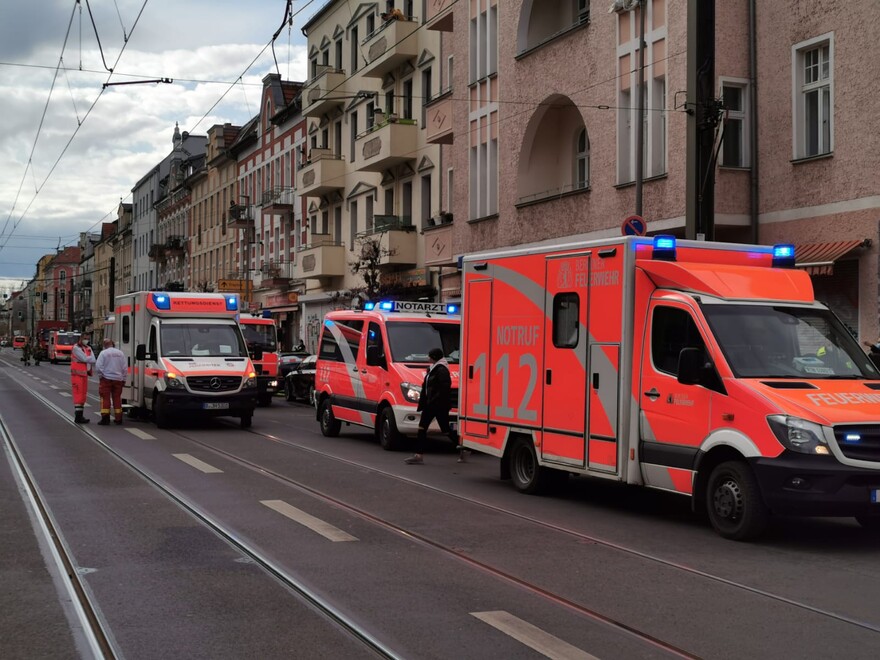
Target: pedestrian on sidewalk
{"points": [[434, 403], [112, 369], [82, 359], [26, 352]]}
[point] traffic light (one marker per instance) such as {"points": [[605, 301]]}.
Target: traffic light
{"points": [[45, 296], [20, 316]]}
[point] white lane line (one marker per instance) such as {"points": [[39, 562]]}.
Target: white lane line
{"points": [[54, 387], [64, 393], [143, 435], [532, 636], [325, 529], [197, 464]]}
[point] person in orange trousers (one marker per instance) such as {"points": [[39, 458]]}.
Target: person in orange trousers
{"points": [[112, 368], [81, 360]]}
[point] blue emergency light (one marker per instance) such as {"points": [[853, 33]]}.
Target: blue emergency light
{"points": [[783, 256], [664, 248], [231, 303], [386, 305], [369, 306], [162, 301], [852, 438], [452, 309]]}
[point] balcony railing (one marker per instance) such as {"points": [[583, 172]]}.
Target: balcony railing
{"points": [[323, 173], [439, 119], [383, 223], [279, 198], [324, 92], [323, 257], [240, 216], [175, 246], [389, 142], [390, 45], [157, 252]]}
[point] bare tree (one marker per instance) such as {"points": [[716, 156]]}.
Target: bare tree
{"points": [[369, 254]]}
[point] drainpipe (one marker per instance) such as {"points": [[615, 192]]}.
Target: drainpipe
{"points": [[753, 120]]}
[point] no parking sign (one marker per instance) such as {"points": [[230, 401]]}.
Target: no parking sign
{"points": [[634, 225]]}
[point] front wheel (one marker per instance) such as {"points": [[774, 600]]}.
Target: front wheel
{"points": [[733, 502], [247, 420], [389, 437], [527, 476], [264, 400], [289, 393], [160, 411], [329, 424]]}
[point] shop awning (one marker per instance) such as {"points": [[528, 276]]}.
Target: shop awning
{"points": [[819, 258], [284, 309]]}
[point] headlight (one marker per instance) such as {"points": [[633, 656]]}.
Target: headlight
{"points": [[251, 380], [798, 434], [411, 391], [273, 383], [173, 381]]}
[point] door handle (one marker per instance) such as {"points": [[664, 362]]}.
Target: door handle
{"points": [[470, 371], [595, 381], [355, 370], [363, 371], [653, 394], [549, 377]]}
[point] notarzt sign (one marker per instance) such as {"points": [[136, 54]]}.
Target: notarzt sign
{"points": [[420, 307]]}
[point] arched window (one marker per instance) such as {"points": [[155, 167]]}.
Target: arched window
{"points": [[582, 160]]}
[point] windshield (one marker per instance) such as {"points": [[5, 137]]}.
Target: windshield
{"points": [[762, 341], [262, 336], [66, 340], [411, 341], [200, 340]]}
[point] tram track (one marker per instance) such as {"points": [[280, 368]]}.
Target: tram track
{"points": [[494, 571]]}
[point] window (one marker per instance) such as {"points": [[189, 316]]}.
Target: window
{"points": [[408, 99], [426, 93], [371, 24], [375, 346], [734, 149], [354, 49], [353, 122], [672, 330], [353, 224], [350, 332], [813, 100], [566, 312], [339, 54], [582, 161]]}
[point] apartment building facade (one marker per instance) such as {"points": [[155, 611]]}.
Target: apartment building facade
{"points": [[538, 122]]}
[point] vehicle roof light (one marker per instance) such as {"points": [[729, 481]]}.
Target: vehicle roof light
{"points": [[369, 306], [452, 309], [664, 248], [162, 301], [386, 305], [783, 256], [232, 303]]}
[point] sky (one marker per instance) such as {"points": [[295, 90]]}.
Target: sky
{"points": [[63, 167]]}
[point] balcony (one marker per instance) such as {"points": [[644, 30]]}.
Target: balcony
{"points": [[439, 120], [322, 174], [175, 246], [439, 15], [277, 199], [323, 258], [240, 216], [157, 252], [438, 244], [388, 143], [397, 239], [324, 92], [392, 44], [276, 274]]}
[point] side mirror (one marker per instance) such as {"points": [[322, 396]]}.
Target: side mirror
{"points": [[257, 354], [875, 359], [375, 357], [140, 353], [692, 366]]}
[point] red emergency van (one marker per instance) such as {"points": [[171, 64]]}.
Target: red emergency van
{"points": [[60, 345], [704, 369], [261, 336], [371, 364]]}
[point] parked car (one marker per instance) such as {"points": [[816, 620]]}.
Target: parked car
{"points": [[300, 380], [287, 359]]}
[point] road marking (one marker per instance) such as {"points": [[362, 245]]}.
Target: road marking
{"points": [[143, 435], [54, 387], [532, 636], [64, 393], [325, 529], [197, 464]]}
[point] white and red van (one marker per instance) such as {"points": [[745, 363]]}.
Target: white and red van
{"points": [[61, 344], [703, 369], [371, 364]]}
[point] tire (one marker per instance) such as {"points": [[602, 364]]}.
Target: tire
{"points": [[389, 437], [733, 502], [264, 400], [54, 361], [870, 522], [289, 393], [525, 473], [160, 411], [311, 395], [247, 420], [329, 424]]}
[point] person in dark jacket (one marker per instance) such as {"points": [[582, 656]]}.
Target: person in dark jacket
{"points": [[434, 403]]}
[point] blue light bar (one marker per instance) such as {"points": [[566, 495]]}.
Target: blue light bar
{"points": [[783, 256], [267, 313], [386, 305], [664, 248], [852, 437], [231, 303], [369, 306], [452, 309], [161, 301]]}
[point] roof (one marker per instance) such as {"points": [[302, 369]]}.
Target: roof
{"points": [[318, 15]]}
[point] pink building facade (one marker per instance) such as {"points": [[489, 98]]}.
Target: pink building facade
{"points": [[537, 124]]}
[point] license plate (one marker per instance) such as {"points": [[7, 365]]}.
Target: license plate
{"points": [[221, 405], [875, 495]]}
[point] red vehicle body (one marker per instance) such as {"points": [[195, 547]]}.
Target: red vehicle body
{"points": [[41, 347], [261, 336], [18, 342], [61, 344]]}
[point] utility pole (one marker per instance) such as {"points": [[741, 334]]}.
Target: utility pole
{"points": [[702, 119]]}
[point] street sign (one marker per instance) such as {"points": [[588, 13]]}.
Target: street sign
{"points": [[634, 225]]}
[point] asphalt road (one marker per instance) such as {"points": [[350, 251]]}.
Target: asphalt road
{"points": [[206, 540]]}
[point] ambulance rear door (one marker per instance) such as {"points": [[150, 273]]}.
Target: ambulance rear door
{"points": [[477, 341]]}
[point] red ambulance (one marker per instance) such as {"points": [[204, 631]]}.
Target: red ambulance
{"points": [[261, 336], [704, 369], [371, 364]]}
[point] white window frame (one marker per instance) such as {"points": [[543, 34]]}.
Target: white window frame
{"points": [[798, 89], [743, 116]]}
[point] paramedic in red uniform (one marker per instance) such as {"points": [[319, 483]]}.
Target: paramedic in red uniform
{"points": [[112, 368], [81, 361]]}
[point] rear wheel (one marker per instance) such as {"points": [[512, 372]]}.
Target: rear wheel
{"points": [[733, 502], [311, 395], [329, 424], [289, 392], [389, 437], [527, 476], [160, 411]]}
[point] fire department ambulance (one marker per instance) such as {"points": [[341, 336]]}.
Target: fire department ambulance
{"points": [[60, 345], [261, 334], [186, 355], [704, 369], [371, 364]]}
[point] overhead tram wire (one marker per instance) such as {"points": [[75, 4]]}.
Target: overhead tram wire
{"points": [[67, 146]]}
